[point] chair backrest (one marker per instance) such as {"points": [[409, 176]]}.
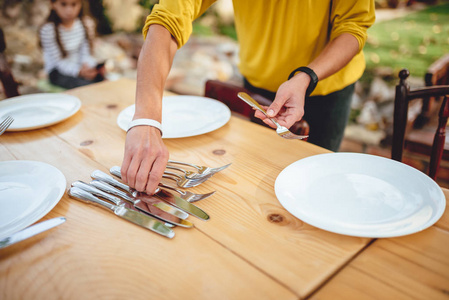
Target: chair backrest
{"points": [[227, 93], [437, 74], [402, 98], [10, 86]]}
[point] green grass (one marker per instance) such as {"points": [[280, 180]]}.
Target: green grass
{"points": [[413, 42]]}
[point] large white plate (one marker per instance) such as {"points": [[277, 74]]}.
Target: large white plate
{"points": [[360, 195], [38, 110], [28, 191], [185, 116]]}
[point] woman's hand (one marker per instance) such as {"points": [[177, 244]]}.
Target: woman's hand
{"points": [[145, 159], [288, 105]]}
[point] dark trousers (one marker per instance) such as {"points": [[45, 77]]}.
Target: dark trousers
{"points": [[70, 82], [327, 115]]}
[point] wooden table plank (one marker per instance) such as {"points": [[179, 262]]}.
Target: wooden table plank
{"points": [[409, 267], [245, 204], [96, 255]]}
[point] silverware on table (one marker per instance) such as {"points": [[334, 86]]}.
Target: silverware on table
{"points": [[149, 206], [281, 130], [121, 211], [200, 169], [186, 195], [99, 175], [31, 231], [178, 202], [190, 174], [182, 181], [5, 124], [160, 193]]}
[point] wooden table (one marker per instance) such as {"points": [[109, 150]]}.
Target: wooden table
{"points": [[251, 248]]}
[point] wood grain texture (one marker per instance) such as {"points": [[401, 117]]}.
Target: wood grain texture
{"points": [[244, 207], [251, 248], [95, 255], [409, 267]]}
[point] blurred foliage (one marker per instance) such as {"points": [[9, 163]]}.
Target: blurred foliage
{"points": [[148, 4], [413, 42]]}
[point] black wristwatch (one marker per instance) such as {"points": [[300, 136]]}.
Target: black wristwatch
{"points": [[313, 78]]}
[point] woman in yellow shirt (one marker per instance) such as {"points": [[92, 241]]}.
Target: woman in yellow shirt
{"points": [[305, 55]]}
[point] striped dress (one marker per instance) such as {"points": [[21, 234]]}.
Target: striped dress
{"points": [[75, 43]]}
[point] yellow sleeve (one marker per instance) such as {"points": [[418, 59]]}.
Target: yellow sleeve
{"points": [[353, 17], [177, 17]]}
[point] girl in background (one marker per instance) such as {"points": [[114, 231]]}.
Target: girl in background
{"points": [[66, 40]]}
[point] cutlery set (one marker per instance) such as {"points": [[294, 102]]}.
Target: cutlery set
{"points": [[161, 212]]}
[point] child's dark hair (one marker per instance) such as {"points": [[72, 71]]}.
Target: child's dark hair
{"points": [[56, 20]]}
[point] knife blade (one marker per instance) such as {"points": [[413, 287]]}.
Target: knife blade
{"points": [[99, 175], [31, 231], [121, 211], [102, 189], [176, 201]]}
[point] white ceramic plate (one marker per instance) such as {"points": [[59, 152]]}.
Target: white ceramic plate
{"points": [[185, 116], [28, 191], [360, 195], [38, 110]]}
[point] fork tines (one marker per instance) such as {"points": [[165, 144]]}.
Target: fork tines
{"points": [[5, 124]]}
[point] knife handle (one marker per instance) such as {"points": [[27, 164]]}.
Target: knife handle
{"points": [[105, 187], [97, 192], [80, 194], [116, 171], [97, 174]]}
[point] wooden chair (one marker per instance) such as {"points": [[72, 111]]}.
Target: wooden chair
{"points": [[402, 98], [227, 93], [10, 86], [437, 74]]}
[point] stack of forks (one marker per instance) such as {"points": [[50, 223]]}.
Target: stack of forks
{"points": [[168, 207]]}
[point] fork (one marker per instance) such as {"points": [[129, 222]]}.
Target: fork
{"points": [[190, 174], [201, 169], [186, 195], [282, 131], [182, 181], [5, 124]]}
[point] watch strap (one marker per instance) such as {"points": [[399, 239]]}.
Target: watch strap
{"points": [[312, 75]]}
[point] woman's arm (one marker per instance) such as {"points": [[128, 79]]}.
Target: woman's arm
{"points": [[288, 106], [145, 153], [349, 21]]}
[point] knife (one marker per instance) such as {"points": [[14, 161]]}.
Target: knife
{"points": [[104, 190], [176, 201], [120, 210], [31, 231], [99, 175], [163, 195]]}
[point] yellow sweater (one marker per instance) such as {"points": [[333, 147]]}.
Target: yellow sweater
{"points": [[278, 36]]}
